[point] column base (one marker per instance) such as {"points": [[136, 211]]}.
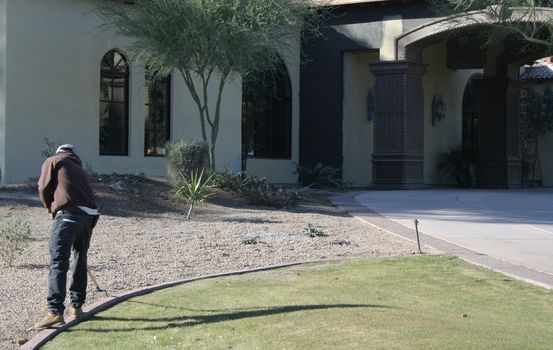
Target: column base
{"points": [[500, 174], [398, 170]]}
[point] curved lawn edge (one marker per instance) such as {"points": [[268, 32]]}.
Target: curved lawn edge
{"points": [[46, 335], [347, 202]]}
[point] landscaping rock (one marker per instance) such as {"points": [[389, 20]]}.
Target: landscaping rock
{"points": [[143, 239]]}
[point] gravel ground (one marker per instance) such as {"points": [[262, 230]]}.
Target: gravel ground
{"points": [[143, 239]]}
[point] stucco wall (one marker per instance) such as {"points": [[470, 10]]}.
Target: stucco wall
{"points": [[357, 129], [3, 75], [53, 91], [282, 170], [450, 84]]}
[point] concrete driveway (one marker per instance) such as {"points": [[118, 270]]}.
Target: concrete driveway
{"points": [[515, 226]]}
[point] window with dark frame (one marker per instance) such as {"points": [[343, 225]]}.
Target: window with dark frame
{"points": [[267, 115], [158, 115], [114, 105]]}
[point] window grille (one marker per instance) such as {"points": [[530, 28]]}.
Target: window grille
{"points": [[158, 115], [267, 115], [114, 104]]}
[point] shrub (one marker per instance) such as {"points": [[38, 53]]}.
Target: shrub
{"points": [[194, 189], [459, 165], [14, 237], [313, 231], [257, 190], [260, 192], [227, 181], [319, 176], [50, 147], [185, 157]]}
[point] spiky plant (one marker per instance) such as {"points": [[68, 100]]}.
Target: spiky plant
{"points": [[195, 189]]}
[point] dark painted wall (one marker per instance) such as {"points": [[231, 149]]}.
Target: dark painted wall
{"points": [[352, 28]]}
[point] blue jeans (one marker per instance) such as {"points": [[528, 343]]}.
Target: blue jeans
{"points": [[70, 231]]}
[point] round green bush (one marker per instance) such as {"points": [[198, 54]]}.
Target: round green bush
{"points": [[185, 156]]}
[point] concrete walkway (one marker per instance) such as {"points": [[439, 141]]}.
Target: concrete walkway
{"points": [[507, 230]]}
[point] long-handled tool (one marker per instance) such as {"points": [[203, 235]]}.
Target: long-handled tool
{"points": [[95, 282]]}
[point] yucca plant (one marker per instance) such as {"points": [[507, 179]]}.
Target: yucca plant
{"points": [[195, 189]]}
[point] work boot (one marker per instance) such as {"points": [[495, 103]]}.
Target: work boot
{"points": [[50, 320], [73, 311]]}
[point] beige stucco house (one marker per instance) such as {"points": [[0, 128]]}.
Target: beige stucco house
{"points": [[380, 98]]}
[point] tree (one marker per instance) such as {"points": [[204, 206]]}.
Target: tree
{"points": [[208, 41], [529, 20]]}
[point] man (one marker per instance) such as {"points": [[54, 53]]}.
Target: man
{"points": [[65, 190]]}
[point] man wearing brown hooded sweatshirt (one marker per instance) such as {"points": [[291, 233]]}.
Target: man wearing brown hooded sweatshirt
{"points": [[65, 190]]}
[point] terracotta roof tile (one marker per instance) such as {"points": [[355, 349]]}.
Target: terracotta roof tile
{"points": [[539, 71]]}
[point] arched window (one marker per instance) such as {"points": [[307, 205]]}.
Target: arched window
{"points": [[157, 128], [267, 115], [114, 104]]}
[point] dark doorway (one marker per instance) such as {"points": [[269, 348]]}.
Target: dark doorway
{"points": [[471, 116], [471, 106]]}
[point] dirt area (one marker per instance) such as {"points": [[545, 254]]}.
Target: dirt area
{"points": [[143, 239]]}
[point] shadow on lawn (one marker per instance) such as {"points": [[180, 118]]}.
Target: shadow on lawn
{"points": [[195, 320]]}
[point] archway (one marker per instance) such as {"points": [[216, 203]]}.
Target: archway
{"points": [[399, 126]]}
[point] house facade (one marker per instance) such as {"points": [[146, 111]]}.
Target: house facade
{"points": [[383, 93], [66, 78], [429, 88]]}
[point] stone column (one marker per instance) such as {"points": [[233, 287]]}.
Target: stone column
{"points": [[499, 163], [399, 123]]}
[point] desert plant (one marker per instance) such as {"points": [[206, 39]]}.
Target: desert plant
{"points": [[313, 231], [194, 189], [257, 190], [459, 164], [14, 237], [528, 21], [227, 181], [318, 176], [185, 157], [49, 147], [209, 42]]}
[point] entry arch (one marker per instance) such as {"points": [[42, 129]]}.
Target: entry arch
{"points": [[410, 44]]}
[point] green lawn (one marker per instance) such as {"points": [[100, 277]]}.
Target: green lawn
{"points": [[425, 302]]}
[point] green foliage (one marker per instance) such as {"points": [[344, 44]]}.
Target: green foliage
{"points": [[14, 237], [540, 122], [186, 157], [459, 165], [313, 231], [319, 176], [257, 190], [208, 40], [531, 21], [194, 189], [260, 192], [229, 182], [540, 111]]}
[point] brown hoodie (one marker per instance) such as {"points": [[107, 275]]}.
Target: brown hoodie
{"points": [[64, 185]]}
